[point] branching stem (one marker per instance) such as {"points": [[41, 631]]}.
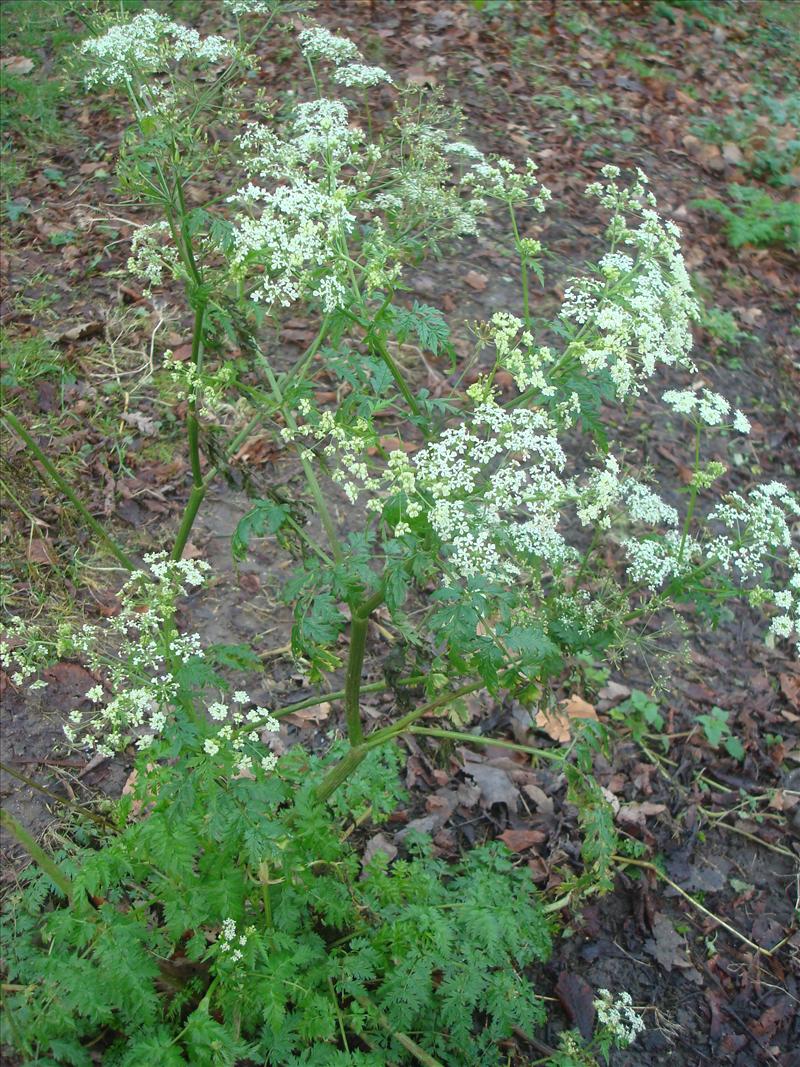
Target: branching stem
{"points": [[355, 661], [526, 300]]}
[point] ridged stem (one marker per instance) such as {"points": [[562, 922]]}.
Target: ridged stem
{"points": [[37, 854], [62, 485]]}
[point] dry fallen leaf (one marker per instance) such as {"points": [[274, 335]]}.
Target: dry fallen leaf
{"points": [[557, 722], [577, 1000], [495, 785], [143, 423], [476, 281], [417, 75], [636, 814], [522, 840], [17, 64], [707, 155], [666, 944], [376, 844], [319, 713], [790, 687], [257, 451], [613, 692], [732, 154], [79, 332], [72, 677], [40, 550]]}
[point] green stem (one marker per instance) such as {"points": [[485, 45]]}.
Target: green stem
{"points": [[368, 111], [692, 493], [523, 268], [315, 701], [263, 877], [585, 560], [419, 1054], [199, 484], [479, 739], [193, 433], [187, 240], [299, 368], [28, 515], [197, 361], [187, 521], [341, 771], [345, 767], [37, 854], [308, 470], [355, 661], [376, 344], [316, 493], [388, 732], [53, 474]]}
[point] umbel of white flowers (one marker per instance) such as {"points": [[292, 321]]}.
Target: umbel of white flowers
{"points": [[148, 43]]}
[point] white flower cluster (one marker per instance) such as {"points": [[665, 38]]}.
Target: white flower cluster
{"points": [[604, 491], [495, 491], [707, 407], [296, 240], [759, 526], [231, 942], [501, 180], [637, 313], [317, 42], [426, 188], [24, 652], [646, 506], [653, 561], [320, 143], [345, 444], [619, 1015], [249, 7], [358, 75], [150, 650], [238, 727], [148, 43], [142, 673], [517, 351], [193, 385], [152, 255], [464, 148], [296, 233]]}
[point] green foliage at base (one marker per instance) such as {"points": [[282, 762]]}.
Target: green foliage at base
{"points": [[229, 919]]}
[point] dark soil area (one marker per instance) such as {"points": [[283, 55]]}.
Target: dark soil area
{"points": [[574, 85]]}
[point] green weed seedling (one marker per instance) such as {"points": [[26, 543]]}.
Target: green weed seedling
{"points": [[757, 218], [640, 714], [764, 128], [717, 731]]}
